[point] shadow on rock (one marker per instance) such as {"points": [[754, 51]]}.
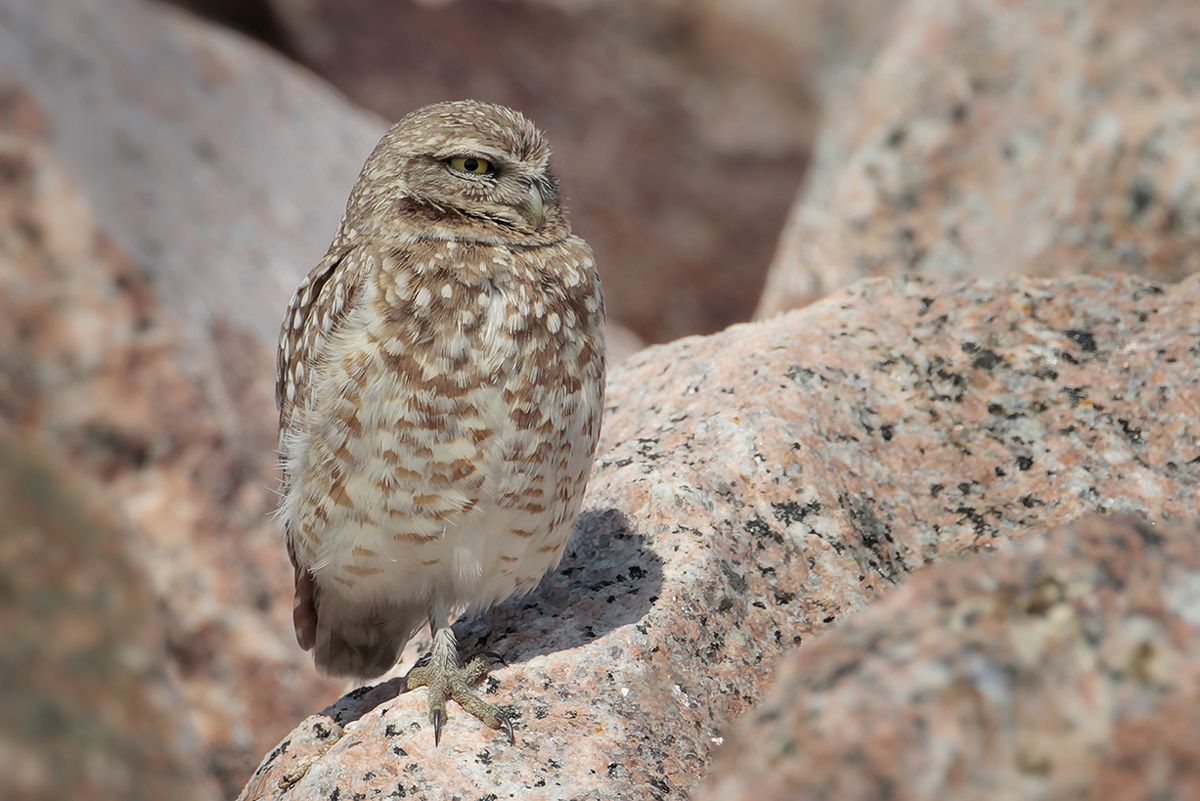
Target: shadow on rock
{"points": [[607, 579]]}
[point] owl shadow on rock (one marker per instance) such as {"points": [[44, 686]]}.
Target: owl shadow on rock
{"points": [[608, 578]]}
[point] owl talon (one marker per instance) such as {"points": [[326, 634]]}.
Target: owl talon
{"points": [[446, 680], [475, 671]]}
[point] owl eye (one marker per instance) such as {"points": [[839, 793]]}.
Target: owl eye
{"points": [[477, 166]]}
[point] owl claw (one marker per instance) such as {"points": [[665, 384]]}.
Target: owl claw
{"points": [[447, 680]]}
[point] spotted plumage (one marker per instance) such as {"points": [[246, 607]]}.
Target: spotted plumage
{"points": [[440, 383]]}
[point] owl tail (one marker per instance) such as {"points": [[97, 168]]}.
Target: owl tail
{"points": [[361, 649], [347, 639]]}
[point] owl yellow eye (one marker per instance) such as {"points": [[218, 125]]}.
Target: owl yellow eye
{"points": [[477, 166]]}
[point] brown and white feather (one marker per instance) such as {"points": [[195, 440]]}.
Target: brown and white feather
{"points": [[440, 383]]}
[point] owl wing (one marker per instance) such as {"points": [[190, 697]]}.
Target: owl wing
{"points": [[316, 310]]}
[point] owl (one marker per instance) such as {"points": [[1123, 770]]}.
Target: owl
{"points": [[440, 385]]}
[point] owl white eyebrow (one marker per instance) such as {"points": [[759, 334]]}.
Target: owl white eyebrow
{"points": [[483, 153]]}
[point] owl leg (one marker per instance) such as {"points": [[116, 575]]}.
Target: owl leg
{"points": [[446, 679]]}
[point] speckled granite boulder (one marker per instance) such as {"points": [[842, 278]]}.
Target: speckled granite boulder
{"points": [[1046, 138], [757, 485], [220, 167], [95, 368], [90, 708], [1067, 668]]}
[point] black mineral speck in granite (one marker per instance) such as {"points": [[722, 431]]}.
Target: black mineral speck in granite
{"points": [[1084, 339]]}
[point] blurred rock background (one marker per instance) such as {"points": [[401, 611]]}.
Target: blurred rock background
{"points": [[169, 171], [1044, 137]]}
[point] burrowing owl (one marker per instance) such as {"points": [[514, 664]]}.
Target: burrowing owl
{"points": [[441, 378]]}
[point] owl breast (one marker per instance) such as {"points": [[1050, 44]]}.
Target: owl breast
{"points": [[450, 426]]}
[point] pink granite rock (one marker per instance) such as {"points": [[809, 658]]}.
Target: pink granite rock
{"points": [[1068, 667], [97, 370], [757, 485], [89, 707], [221, 168], [1049, 138]]}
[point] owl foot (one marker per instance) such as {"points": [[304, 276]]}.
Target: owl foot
{"points": [[446, 679]]}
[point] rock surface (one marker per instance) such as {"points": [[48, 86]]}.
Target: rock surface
{"points": [[984, 140], [1066, 668], [88, 703], [221, 168], [95, 368], [757, 485]]}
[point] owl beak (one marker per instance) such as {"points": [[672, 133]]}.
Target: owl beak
{"points": [[533, 208]]}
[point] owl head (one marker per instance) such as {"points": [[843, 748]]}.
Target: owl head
{"points": [[462, 170]]}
